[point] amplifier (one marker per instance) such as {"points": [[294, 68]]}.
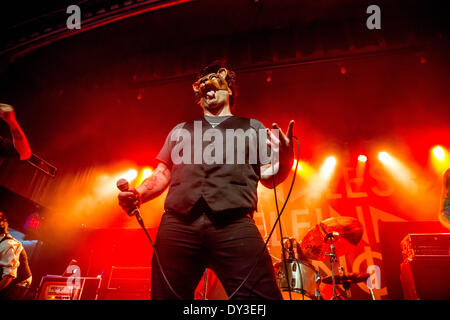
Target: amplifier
{"points": [[54, 287], [426, 278], [425, 244], [128, 283]]}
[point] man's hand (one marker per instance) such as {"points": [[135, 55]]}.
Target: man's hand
{"points": [[151, 188], [285, 140], [129, 200], [7, 113], [284, 146]]}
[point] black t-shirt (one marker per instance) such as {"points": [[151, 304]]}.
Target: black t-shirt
{"points": [[7, 149]]}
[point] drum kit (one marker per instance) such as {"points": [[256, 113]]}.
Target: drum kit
{"points": [[334, 237]]}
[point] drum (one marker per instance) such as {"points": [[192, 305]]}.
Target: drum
{"points": [[302, 276]]}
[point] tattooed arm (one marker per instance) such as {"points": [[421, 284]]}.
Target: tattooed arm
{"points": [[151, 188], [19, 139]]}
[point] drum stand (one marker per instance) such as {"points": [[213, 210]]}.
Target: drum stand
{"points": [[317, 280], [346, 284], [330, 237]]}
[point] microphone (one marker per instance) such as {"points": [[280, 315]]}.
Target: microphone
{"points": [[332, 235], [122, 185]]}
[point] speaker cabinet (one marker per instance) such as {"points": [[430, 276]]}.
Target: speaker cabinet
{"points": [[426, 278]]}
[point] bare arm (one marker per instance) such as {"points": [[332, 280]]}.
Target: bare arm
{"points": [[153, 186], [20, 141]]}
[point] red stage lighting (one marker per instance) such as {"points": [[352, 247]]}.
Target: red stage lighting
{"points": [[147, 172], [130, 175], [320, 181], [439, 159], [384, 157], [328, 167], [33, 222], [439, 153], [399, 171]]}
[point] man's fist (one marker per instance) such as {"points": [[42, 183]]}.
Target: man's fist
{"points": [[129, 200], [7, 113]]}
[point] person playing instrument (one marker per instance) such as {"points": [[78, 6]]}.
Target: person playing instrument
{"points": [[14, 270], [208, 211], [444, 214], [19, 147]]}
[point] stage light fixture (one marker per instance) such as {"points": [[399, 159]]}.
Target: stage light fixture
{"points": [[326, 170], [399, 171], [439, 153], [294, 164], [304, 170], [328, 166], [439, 159], [130, 175], [362, 158], [384, 157], [320, 181], [147, 172]]}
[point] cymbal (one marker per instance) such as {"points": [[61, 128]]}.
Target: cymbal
{"points": [[349, 278], [346, 233]]}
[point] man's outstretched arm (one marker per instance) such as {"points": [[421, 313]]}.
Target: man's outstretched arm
{"points": [[20, 141]]}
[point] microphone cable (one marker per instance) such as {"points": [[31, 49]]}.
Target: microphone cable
{"points": [[279, 213], [141, 223]]}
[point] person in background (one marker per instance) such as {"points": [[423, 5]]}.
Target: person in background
{"points": [[14, 269], [19, 147], [444, 214]]}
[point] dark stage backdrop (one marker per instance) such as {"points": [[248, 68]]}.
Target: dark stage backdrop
{"points": [[100, 103]]}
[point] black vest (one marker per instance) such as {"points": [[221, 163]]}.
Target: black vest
{"points": [[222, 186]]}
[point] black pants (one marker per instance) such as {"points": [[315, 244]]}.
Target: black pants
{"points": [[229, 244]]}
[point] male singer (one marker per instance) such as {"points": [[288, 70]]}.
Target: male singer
{"points": [[207, 221]]}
